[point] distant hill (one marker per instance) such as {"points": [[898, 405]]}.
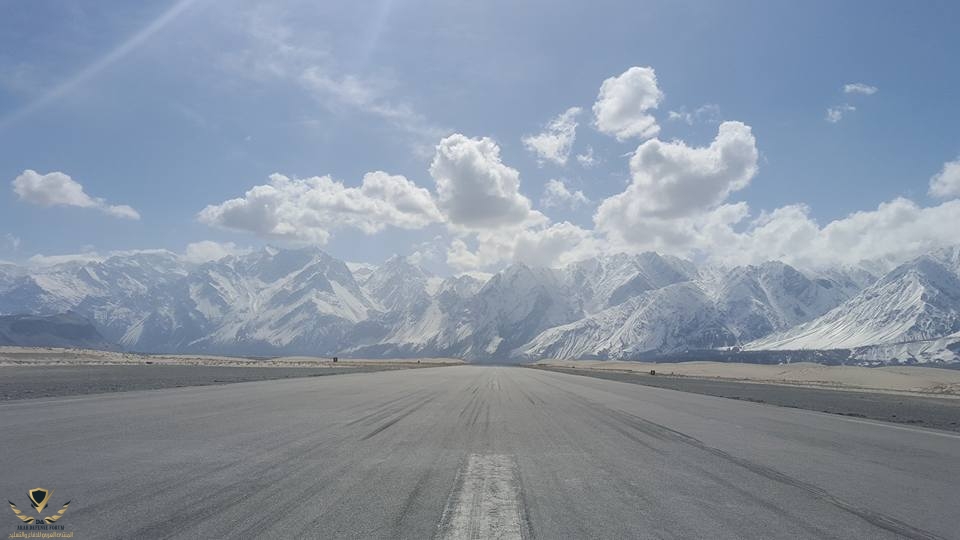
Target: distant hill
{"points": [[63, 330]]}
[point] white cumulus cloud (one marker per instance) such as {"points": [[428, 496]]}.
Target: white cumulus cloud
{"points": [[557, 194], [673, 180], [58, 189], [556, 141], [623, 104], [551, 246], [475, 189], [946, 183], [895, 231], [308, 209]]}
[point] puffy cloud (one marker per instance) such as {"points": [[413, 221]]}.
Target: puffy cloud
{"points": [[475, 190], [552, 246], [460, 257], [556, 194], [555, 142], [896, 231], [556, 245], [58, 189], [946, 183], [672, 181], [308, 209], [623, 103], [208, 250], [860, 88], [892, 233], [835, 114]]}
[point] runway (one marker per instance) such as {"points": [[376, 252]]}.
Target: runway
{"points": [[470, 452]]}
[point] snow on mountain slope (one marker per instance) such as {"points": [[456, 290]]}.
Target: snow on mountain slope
{"points": [[361, 271], [483, 324], [8, 275], [606, 281], [721, 307], [673, 318], [941, 350], [398, 285], [426, 329], [303, 301], [917, 301], [299, 301], [514, 306], [758, 300], [114, 293], [268, 300]]}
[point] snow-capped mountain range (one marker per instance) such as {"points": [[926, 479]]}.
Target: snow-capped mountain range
{"points": [[304, 301]]}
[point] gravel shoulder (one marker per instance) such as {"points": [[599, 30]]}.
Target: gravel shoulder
{"points": [[932, 412]]}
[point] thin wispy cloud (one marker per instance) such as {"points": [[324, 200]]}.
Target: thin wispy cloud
{"points": [[275, 52], [835, 114], [92, 70], [705, 113], [860, 88]]}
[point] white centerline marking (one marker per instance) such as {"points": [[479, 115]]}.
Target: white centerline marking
{"points": [[485, 502]]}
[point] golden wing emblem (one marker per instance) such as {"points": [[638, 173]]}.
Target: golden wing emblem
{"points": [[58, 515], [20, 515]]}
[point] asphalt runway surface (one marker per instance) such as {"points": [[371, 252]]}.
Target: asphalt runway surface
{"points": [[470, 452]]}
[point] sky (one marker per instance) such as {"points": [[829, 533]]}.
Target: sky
{"points": [[471, 135]]}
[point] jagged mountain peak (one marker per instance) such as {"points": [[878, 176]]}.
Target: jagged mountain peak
{"points": [[918, 300], [305, 301]]}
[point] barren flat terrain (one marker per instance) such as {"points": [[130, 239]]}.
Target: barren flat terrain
{"points": [[20, 356], [929, 409], [907, 379], [40, 372]]}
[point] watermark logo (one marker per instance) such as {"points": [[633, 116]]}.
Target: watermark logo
{"points": [[39, 526]]}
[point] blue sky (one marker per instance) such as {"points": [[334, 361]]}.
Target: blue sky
{"points": [[173, 107]]}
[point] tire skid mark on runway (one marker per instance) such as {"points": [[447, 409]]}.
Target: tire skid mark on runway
{"points": [[425, 477], [269, 468], [271, 462], [812, 531], [874, 518], [351, 482], [277, 505], [382, 410], [383, 427], [666, 434], [326, 477], [170, 484]]}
